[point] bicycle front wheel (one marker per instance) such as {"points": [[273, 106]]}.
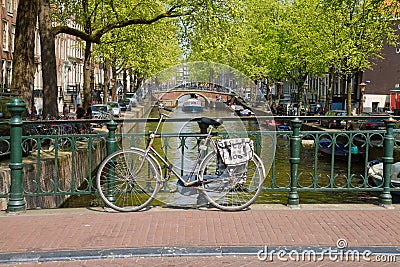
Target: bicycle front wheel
{"points": [[231, 188], [127, 180]]}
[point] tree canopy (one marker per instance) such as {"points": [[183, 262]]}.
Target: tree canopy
{"points": [[293, 40], [265, 39]]}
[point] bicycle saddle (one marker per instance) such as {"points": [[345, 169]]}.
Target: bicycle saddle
{"points": [[209, 121]]}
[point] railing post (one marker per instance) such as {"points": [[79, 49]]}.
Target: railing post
{"points": [[111, 147], [111, 141], [388, 148], [16, 201], [295, 145]]}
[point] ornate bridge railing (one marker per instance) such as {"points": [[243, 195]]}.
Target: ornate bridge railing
{"points": [[301, 158]]}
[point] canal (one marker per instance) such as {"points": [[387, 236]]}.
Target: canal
{"points": [[183, 157]]}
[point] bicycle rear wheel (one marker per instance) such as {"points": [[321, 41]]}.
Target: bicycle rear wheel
{"points": [[231, 188], [127, 180]]}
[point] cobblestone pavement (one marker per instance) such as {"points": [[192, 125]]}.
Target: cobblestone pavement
{"points": [[74, 236]]}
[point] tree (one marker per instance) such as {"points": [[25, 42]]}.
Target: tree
{"points": [[47, 49], [23, 61], [355, 32], [101, 17], [142, 50]]}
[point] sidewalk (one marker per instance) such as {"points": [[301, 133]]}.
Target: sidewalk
{"points": [[94, 234]]}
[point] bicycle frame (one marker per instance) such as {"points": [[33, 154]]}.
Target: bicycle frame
{"points": [[226, 187], [149, 149]]}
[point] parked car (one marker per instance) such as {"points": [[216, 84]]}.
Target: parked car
{"points": [[336, 123], [314, 109], [132, 98], [274, 125], [375, 123], [101, 111], [125, 104], [115, 109]]}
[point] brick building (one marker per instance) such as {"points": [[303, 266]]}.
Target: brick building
{"points": [[8, 14], [384, 78]]}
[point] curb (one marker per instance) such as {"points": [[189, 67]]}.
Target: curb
{"points": [[266, 253]]}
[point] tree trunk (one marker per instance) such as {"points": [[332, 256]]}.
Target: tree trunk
{"points": [[124, 83], [131, 81], [49, 72], [300, 89], [114, 83], [86, 75], [106, 80], [330, 89], [87, 64], [300, 99], [349, 91], [24, 57]]}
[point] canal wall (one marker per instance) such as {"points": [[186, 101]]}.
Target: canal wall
{"points": [[56, 179]]}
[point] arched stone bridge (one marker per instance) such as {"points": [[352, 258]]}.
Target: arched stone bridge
{"points": [[209, 96]]}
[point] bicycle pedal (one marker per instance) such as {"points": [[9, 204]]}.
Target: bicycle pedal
{"points": [[174, 190]]}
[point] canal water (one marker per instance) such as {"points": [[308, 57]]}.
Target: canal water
{"points": [[184, 161]]}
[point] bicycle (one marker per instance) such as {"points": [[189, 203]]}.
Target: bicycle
{"points": [[230, 176]]}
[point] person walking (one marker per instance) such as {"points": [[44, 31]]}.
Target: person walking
{"points": [[88, 114], [65, 111], [80, 112]]}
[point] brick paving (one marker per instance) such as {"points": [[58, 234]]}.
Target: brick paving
{"points": [[85, 229]]}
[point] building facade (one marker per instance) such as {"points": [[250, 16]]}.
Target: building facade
{"points": [[69, 60], [8, 14]]}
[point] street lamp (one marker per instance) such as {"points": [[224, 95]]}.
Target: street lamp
{"points": [[362, 91]]}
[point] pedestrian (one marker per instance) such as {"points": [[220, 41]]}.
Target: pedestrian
{"points": [[88, 114], [65, 110], [34, 113], [80, 112]]}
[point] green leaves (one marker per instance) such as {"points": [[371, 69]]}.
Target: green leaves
{"points": [[263, 38]]}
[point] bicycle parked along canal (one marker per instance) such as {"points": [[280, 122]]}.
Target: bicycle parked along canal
{"points": [[226, 171]]}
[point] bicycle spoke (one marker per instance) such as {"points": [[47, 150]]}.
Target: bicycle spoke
{"points": [[125, 182], [231, 187]]}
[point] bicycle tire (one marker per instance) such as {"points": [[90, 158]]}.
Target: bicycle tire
{"points": [[122, 186], [224, 191]]}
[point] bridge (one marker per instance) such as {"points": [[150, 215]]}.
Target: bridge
{"points": [[66, 170], [208, 93], [205, 96]]}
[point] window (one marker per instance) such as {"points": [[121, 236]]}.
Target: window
{"points": [[375, 106], [5, 35], [9, 73], [12, 37], [3, 73], [69, 49], [10, 6]]}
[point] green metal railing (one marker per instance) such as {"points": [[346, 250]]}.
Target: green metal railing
{"points": [[63, 165]]}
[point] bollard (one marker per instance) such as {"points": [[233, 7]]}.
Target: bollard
{"points": [[295, 145], [111, 148], [112, 143], [388, 147], [16, 201]]}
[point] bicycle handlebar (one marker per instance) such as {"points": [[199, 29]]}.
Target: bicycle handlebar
{"points": [[161, 106]]}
